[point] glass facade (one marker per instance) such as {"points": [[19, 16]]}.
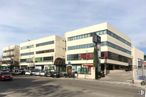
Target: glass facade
{"points": [[118, 37], [45, 43], [104, 43], [102, 32], [81, 46]]}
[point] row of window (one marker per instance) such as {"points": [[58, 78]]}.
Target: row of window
{"points": [[118, 37], [86, 35], [9, 56], [104, 55], [106, 43], [10, 50], [99, 33], [27, 47], [44, 43], [83, 56], [38, 59], [113, 56], [44, 59], [37, 52], [45, 51], [37, 45], [81, 46], [26, 54], [27, 60]]}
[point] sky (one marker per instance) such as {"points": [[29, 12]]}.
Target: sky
{"points": [[22, 20]]}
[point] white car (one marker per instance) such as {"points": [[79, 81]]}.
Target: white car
{"points": [[42, 73], [28, 72], [37, 72]]}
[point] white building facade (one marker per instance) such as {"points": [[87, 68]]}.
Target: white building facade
{"points": [[10, 55], [138, 64], [41, 53], [115, 48]]}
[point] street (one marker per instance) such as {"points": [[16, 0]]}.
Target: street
{"points": [[34, 86]]}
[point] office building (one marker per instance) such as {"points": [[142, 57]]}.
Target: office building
{"points": [[41, 53], [10, 55], [138, 66], [115, 48]]}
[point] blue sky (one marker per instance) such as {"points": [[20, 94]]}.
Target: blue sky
{"points": [[21, 20]]}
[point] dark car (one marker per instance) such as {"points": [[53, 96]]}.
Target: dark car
{"points": [[57, 74], [6, 76], [48, 74]]}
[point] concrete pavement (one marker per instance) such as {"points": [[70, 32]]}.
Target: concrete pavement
{"points": [[49, 87]]}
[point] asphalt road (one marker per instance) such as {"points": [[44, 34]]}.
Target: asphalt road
{"points": [[49, 87]]}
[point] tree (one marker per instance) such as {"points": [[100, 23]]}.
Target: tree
{"points": [[96, 62], [60, 63]]}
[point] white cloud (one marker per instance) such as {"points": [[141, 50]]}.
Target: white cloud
{"points": [[27, 19]]}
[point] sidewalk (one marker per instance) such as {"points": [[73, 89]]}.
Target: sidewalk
{"points": [[129, 83]]}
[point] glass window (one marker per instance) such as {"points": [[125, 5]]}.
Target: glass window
{"points": [[44, 43], [25, 54]]}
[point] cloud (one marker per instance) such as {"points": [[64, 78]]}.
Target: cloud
{"points": [[21, 20]]}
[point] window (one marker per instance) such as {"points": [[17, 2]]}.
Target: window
{"points": [[81, 46], [48, 58], [10, 50], [39, 59], [45, 51], [106, 43], [118, 37], [25, 54], [44, 59], [27, 47], [82, 56], [28, 60], [113, 56], [44, 43], [84, 35]]}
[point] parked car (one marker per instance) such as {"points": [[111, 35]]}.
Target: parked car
{"points": [[36, 72], [48, 74], [57, 74], [16, 72], [6, 76], [27, 72], [42, 73], [33, 72]]}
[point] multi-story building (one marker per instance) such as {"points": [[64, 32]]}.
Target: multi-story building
{"points": [[115, 48], [138, 66], [10, 55], [41, 53]]}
